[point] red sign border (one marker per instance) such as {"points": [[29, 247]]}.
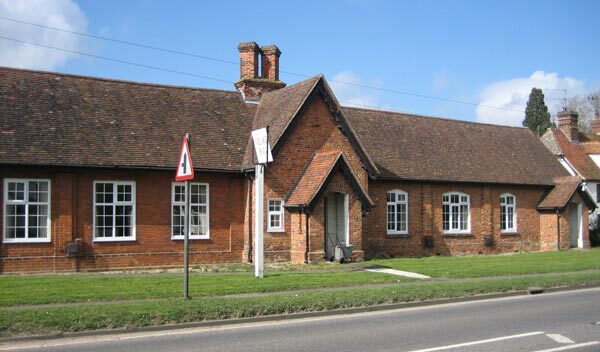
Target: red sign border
{"points": [[184, 146]]}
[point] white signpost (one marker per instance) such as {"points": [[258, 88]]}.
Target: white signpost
{"points": [[263, 156], [185, 172]]}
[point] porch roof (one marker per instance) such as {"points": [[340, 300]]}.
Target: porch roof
{"points": [[563, 191], [316, 176]]}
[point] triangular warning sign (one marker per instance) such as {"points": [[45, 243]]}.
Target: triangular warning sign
{"points": [[185, 168]]}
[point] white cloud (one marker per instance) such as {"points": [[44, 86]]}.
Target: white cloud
{"points": [[513, 94], [351, 95], [64, 14]]}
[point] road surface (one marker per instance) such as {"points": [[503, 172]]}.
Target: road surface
{"points": [[562, 321]]}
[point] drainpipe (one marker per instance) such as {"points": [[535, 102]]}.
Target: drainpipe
{"points": [[558, 228], [250, 225], [307, 236]]}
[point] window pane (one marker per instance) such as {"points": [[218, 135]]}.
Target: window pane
{"points": [[16, 191], [446, 217], [391, 197], [464, 217]]}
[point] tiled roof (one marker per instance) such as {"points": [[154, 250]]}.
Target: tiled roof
{"points": [[577, 153], [66, 120], [414, 147], [560, 195], [316, 175], [277, 109], [58, 119]]}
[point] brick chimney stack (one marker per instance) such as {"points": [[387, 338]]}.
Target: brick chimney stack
{"points": [[568, 124], [253, 84], [596, 123], [248, 60], [270, 62]]}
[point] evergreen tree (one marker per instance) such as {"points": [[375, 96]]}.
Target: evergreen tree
{"points": [[537, 117]]}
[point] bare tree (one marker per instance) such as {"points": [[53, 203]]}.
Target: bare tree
{"points": [[587, 106]]}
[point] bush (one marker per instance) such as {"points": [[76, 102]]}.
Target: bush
{"points": [[595, 232]]}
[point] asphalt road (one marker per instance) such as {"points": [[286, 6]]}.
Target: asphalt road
{"points": [[562, 321]]}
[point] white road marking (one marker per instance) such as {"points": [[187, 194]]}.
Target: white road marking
{"points": [[560, 338], [480, 342], [570, 347], [399, 273]]}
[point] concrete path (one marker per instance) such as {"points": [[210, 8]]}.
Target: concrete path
{"points": [[399, 273]]}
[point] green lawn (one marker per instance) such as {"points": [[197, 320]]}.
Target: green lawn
{"points": [[498, 265], [43, 289], [40, 320]]}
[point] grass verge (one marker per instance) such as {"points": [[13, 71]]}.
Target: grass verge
{"points": [[49, 289], [496, 265], [41, 320]]}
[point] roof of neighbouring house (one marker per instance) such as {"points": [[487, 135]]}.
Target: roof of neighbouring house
{"points": [[577, 154], [68, 120]]}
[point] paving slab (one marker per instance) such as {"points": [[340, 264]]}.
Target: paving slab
{"points": [[399, 273]]}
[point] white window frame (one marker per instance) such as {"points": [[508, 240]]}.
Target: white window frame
{"points": [[281, 213], [451, 214], [512, 229], [395, 204], [207, 205], [26, 202], [114, 203]]}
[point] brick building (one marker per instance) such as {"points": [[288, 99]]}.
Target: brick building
{"points": [[578, 152], [88, 164]]}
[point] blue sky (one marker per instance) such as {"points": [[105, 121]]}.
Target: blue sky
{"points": [[484, 52]]}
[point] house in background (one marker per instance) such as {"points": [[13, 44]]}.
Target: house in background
{"points": [[87, 168], [578, 152]]}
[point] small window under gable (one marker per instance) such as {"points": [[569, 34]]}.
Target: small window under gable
{"points": [[275, 215], [397, 212]]}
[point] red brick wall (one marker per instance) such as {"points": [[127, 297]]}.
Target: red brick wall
{"points": [[315, 130], [153, 246], [425, 219]]}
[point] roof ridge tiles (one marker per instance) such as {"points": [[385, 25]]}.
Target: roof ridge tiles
{"points": [[410, 114], [114, 80]]}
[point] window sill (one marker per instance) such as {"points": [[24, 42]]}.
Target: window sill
{"points": [[400, 235], [510, 233], [25, 241], [191, 238], [457, 234], [114, 239], [276, 231]]}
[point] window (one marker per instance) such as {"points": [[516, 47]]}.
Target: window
{"points": [[456, 213], [198, 223], [26, 210], [275, 215], [397, 212], [114, 211], [508, 221]]}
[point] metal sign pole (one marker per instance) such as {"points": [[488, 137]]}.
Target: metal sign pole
{"points": [[186, 243], [185, 172], [258, 223]]}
